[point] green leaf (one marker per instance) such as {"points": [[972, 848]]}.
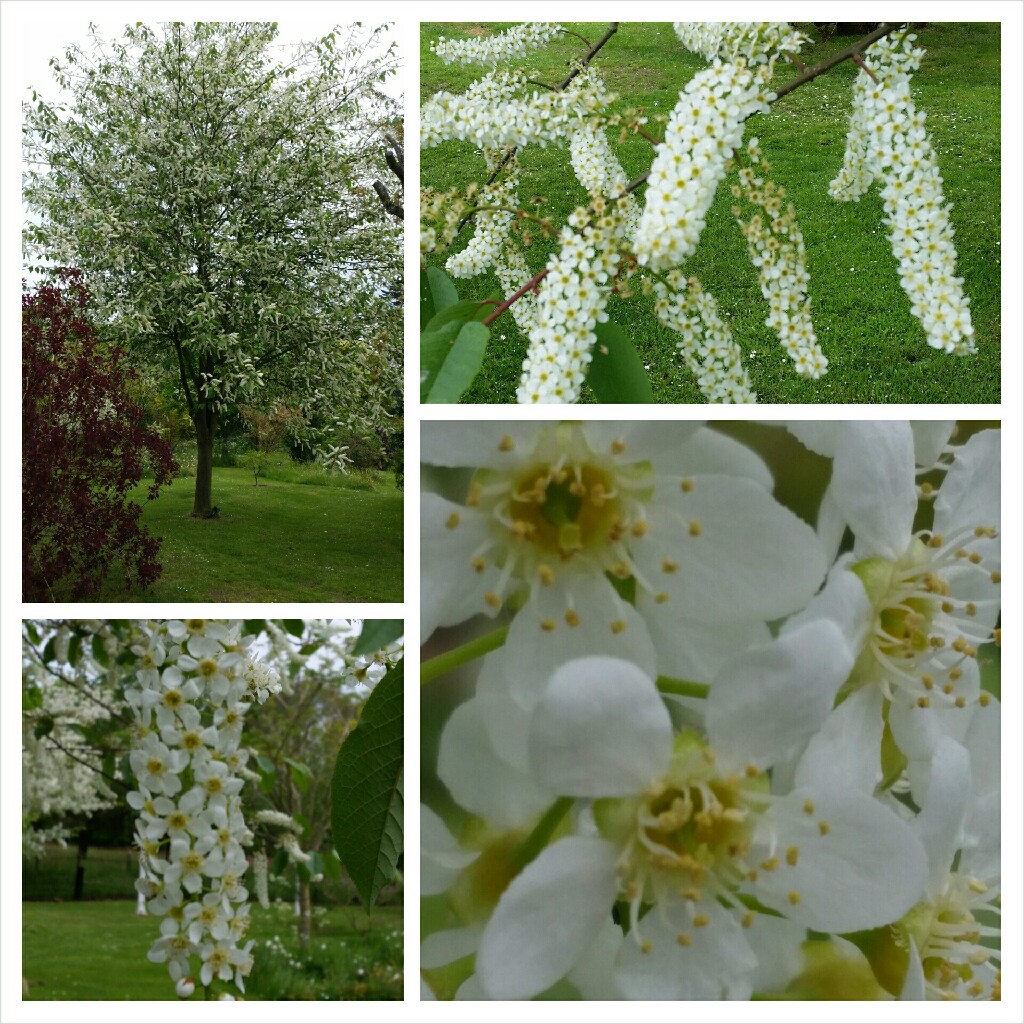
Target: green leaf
{"points": [[295, 626], [366, 796], [48, 651], [32, 633], [436, 293], [458, 362], [378, 633], [253, 627], [99, 651], [440, 334], [332, 866], [617, 373], [279, 863], [300, 773], [74, 650], [43, 727]]}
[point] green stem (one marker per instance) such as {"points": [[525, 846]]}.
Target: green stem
{"points": [[206, 992], [476, 648], [682, 687], [532, 845]]}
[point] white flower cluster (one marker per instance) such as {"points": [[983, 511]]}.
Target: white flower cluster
{"points": [[691, 770], [195, 681], [707, 345], [490, 228], [776, 248], [570, 303], [364, 671], [759, 42], [704, 128], [887, 142], [490, 115], [598, 170], [517, 41], [512, 271]]}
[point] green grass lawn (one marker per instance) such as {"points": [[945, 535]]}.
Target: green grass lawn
{"points": [[876, 349], [296, 537], [97, 950]]}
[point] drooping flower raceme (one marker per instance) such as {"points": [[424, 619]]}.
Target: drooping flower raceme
{"points": [[887, 142], [702, 132], [195, 686], [680, 513], [758, 42], [514, 42]]}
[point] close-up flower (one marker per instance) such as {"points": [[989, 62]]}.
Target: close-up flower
{"points": [[773, 774]]}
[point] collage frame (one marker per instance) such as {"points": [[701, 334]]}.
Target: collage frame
{"points": [[20, 17]]}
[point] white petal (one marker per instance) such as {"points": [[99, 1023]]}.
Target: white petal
{"points": [[601, 729], [913, 983], [543, 639], [709, 451], [718, 953], [846, 751], [593, 975], [442, 948], [476, 444], [765, 704], [547, 917], [441, 857], [478, 779], [451, 591], [944, 809], [693, 650], [844, 601], [969, 496], [739, 553], [818, 436], [874, 485], [640, 441], [930, 437], [865, 870], [830, 524]]}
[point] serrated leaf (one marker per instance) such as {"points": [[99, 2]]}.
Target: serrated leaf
{"points": [[295, 626], [460, 364], [378, 633], [436, 293], [617, 373], [99, 651], [366, 798]]}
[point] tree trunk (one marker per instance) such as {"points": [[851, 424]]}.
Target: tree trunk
{"points": [[305, 915], [205, 421]]}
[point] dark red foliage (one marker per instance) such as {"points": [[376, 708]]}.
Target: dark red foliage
{"points": [[84, 446]]}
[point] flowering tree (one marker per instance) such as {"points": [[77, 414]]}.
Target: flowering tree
{"points": [[712, 752], [219, 201], [84, 447], [170, 700], [616, 244]]}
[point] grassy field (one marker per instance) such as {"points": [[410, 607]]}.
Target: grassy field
{"points": [[298, 536], [876, 348], [97, 950]]}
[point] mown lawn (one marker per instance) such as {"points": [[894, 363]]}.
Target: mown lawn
{"points": [[97, 950], [298, 538], [876, 348]]}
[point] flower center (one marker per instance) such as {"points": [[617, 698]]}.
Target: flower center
{"points": [[928, 617], [688, 835], [564, 509]]}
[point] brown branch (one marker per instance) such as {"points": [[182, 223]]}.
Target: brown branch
{"points": [[613, 27], [501, 307]]}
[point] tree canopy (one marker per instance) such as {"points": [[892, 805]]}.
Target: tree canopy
{"points": [[219, 202]]}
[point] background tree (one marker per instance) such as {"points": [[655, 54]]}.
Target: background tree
{"points": [[84, 448], [220, 202]]}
